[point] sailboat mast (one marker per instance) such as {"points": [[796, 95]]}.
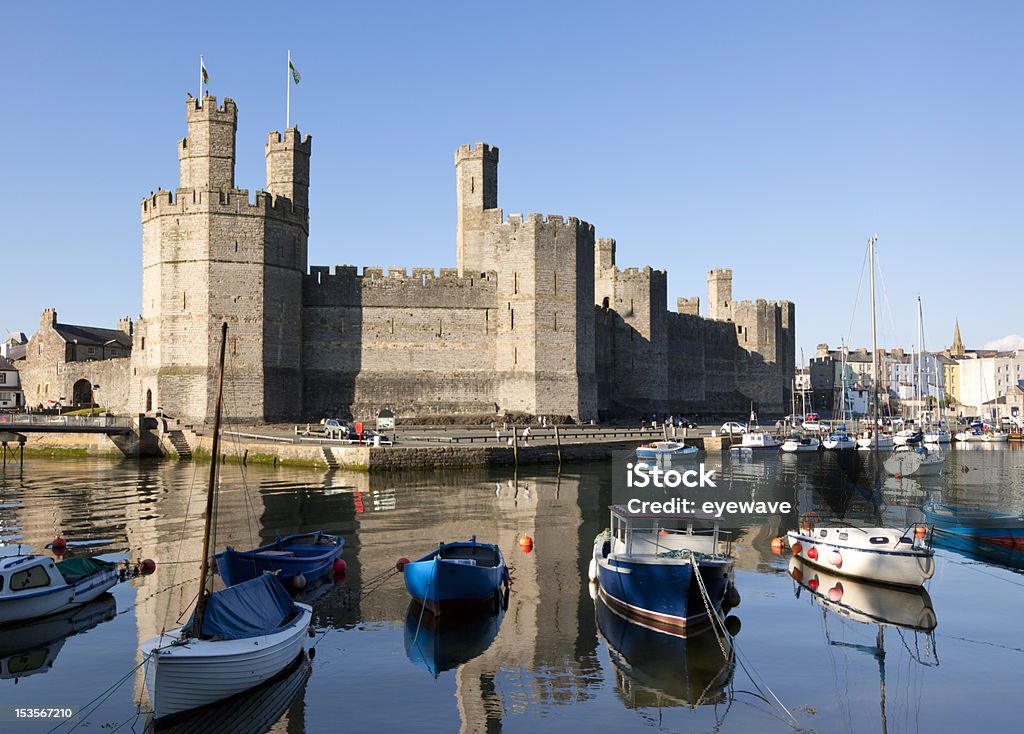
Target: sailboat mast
{"points": [[920, 354], [874, 337], [197, 623]]}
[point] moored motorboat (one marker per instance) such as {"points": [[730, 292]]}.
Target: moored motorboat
{"points": [[34, 586], [838, 441], [937, 435], [879, 554], [666, 450], [664, 570], [875, 439], [457, 574], [798, 443], [908, 437], [759, 441], [310, 554]]}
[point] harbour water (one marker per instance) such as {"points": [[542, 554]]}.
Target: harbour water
{"points": [[555, 660]]}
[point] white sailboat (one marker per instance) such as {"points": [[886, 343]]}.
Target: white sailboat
{"points": [[238, 637], [886, 555]]}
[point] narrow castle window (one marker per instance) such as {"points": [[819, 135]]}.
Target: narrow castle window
{"points": [[556, 322], [511, 319], [234, 345], [472, 185], [438, 328], [515, 282], [515, 355], [556, 282], [184, 303]]}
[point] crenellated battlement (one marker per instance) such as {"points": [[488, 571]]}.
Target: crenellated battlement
{"points": [[208, 110], [291, 140], [234, 201], [478, 150], [322, 275], [551, 220]]}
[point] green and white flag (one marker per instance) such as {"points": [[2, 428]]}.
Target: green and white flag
{"points": [[296, 76], [202, 66]]}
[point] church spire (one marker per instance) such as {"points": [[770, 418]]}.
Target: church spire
{"points": [[958, 345]]}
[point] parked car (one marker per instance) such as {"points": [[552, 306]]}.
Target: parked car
{"points": [[686, 423], [333, 428], [732, 427]]}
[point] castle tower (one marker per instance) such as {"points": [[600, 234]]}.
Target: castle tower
{"points": [[288, 166], [476, 191], [206, 157], [211, 256], [720, 294]]}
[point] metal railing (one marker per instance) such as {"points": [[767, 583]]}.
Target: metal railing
{"points": [[32, 420]]}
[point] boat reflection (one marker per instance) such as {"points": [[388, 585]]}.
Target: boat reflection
{"points": [[656, 669], [32, 647], [438, 643], [863, 601], [252, 712]]}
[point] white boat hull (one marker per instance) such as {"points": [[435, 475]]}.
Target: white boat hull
{"points": [[181, 676], [839, 444], [43, 602], [882, 442], [937, 437], [914, 464], [793, 447], [899, 564]]}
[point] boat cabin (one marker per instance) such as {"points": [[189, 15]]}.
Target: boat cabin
{"points": [[666, 534], [23, 574]]}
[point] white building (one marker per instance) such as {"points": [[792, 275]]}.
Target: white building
{"points": [[10, 386], [987, 376]]}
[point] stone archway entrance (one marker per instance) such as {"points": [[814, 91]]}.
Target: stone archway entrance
{"points": [[81, 393]]}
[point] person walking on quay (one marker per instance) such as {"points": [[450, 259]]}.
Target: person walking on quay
{"points": [[526, 436]]}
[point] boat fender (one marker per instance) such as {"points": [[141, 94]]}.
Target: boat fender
{"points": [[777, 545], [797, 574], [526, 544], [732, 597], [733, 625], [592, 570], [147, 566], [401, 563], [835, 594], [920, 531], [813, 584], [797, 548], [836, 559], [59, 546], [340, 567], [812, 553], [299, 581], [312, 653]]}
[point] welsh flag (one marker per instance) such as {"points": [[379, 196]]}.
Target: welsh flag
{"points": [[206, 77], [296, 76]]}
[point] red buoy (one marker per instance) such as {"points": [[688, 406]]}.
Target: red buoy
{"points": [[147, 566], [340, 567], [812, 553], [813, 584], [59, 546], [402, 563], [526, 544]]}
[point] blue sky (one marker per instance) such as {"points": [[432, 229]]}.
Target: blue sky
{"points": [[772, 138]]}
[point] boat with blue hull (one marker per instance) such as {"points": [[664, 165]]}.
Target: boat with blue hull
{"points": [[310, 554], [668, 571], [962, 526], [667, 450], [458, 574]]}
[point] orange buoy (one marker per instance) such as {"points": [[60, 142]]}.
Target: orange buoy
{"points": [[797, 574], [812, 553], [836, 559], [526, 544], [920, 531], [777, 545], [59, 546], [797, 548], [836, 592]]}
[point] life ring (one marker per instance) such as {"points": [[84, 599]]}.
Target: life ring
{"points": [[808, 520]]}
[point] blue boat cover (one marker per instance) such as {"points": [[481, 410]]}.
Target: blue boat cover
{"points": [[260, 606]]}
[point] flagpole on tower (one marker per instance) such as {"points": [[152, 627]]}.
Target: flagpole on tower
{"points": [[202, 67], [288, 84]]}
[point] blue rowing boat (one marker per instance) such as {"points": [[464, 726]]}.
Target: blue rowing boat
{"points": [[310, 554], [456, 574], [975, 524]]}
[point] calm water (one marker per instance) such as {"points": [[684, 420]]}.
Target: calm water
{"points": [[555, 661]]}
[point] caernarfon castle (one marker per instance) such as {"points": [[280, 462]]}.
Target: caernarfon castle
{"points": [[536, 317]]}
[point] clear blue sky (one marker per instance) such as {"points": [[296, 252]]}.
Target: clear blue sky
{"points": [[772, 138]]}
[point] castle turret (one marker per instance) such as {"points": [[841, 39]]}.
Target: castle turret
{"points": [[476, 190], [288, 166], [207, 156], [720, 294]]}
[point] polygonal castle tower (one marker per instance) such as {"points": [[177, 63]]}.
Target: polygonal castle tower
{"points": [[210, 255]]}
